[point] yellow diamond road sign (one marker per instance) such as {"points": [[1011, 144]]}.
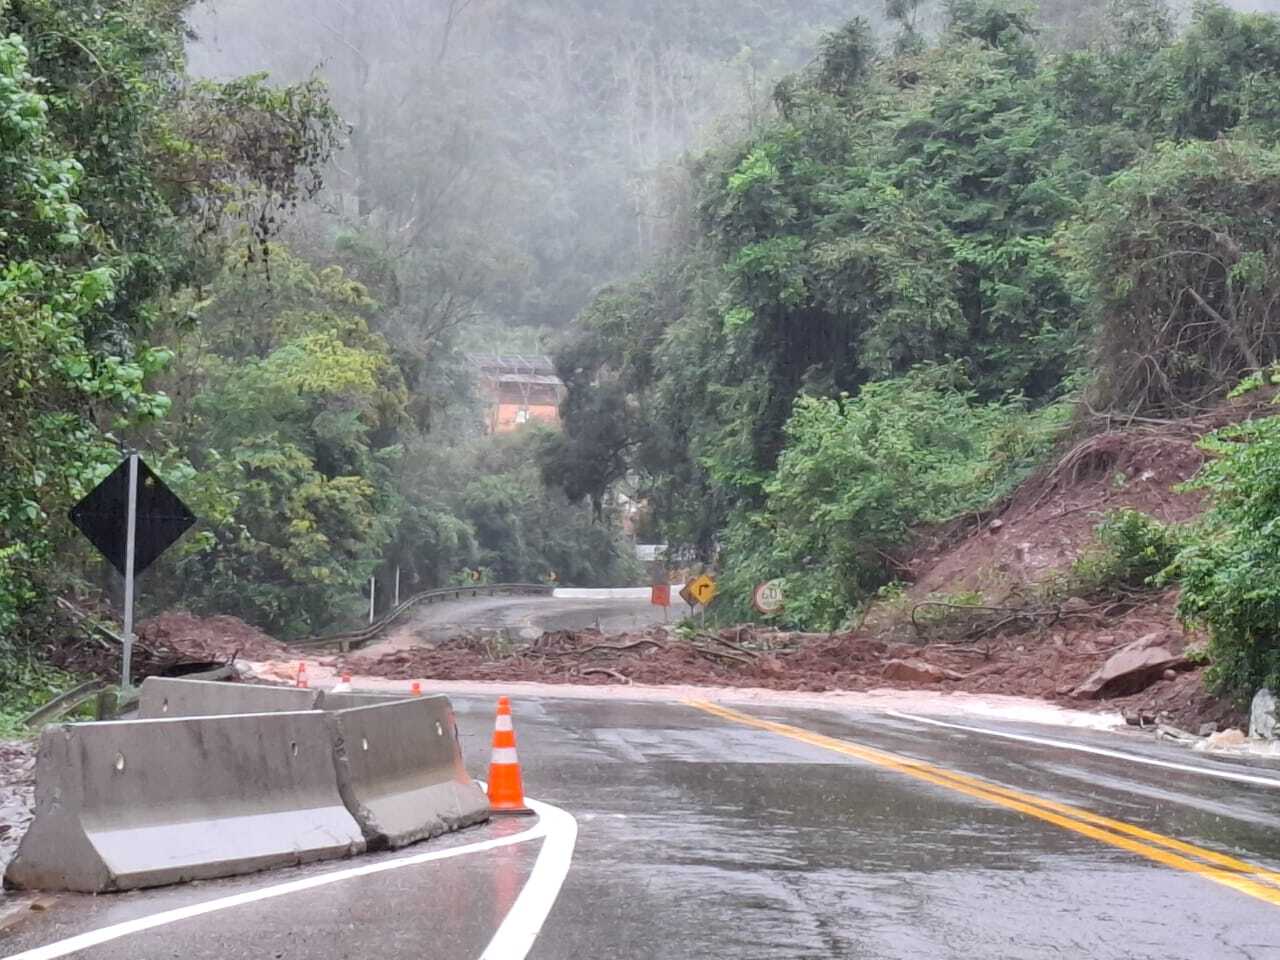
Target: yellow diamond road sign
{"points": [[703, 589]]}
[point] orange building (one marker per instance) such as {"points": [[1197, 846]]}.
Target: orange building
{"points": [[519, 389]]}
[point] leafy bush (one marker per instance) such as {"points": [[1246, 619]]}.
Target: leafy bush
{"points": [[858, 473], [1134, 548], [1230, 569]]}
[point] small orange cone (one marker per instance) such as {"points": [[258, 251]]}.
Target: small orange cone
{"points": [[506, 791], [302, 673], [416, 688]]}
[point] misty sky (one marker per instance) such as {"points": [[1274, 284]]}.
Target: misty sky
{"points": [[520, 153]]}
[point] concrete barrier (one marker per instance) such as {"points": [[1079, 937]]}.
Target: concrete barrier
{"points": [[359, 698], [400, 771], [164, 698], [143, 803]]}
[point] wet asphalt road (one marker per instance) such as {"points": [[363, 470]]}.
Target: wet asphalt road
{"points": [[702, 837]]}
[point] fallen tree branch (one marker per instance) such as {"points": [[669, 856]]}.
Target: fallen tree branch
{"points": [[748, 660], [730, 644], [619, 648], [591, 671], [958, 606], [972, 651]]}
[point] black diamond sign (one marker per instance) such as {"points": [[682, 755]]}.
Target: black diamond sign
{"points": [[103, 517]]}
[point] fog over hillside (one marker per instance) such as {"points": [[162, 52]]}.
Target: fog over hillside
{"points": [[520, 152], [510, 156]]}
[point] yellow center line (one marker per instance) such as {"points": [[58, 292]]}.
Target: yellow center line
{"points": [[1248, 878]]}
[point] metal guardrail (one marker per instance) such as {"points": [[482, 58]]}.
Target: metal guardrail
{"points": [[65, 702], [353, 639]]}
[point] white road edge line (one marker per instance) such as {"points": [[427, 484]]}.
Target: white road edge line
{"points": [[523, 922], [1098, 751], [558, 827]]}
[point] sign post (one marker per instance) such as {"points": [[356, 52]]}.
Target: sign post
{"points": [[132, 518], [130, 557], [373, 585], [699, 592], [397, 603], [660, 596]]}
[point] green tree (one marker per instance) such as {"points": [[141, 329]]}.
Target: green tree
{"points": [[1229, 570], [1046, 219], [291, 428], [121, 181], [860, 473], [525, 533], [1177, 259], [54, 387]]}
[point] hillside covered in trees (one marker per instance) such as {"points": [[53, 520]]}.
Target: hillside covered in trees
{"points": [[256, 244], [953, 249], [820, 277]]}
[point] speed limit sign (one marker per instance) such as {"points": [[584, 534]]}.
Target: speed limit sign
{"points": [[768, 597]]}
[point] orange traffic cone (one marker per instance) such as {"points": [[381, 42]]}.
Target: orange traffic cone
{"points": [[302, 673], [415, 688], [506, 791]]}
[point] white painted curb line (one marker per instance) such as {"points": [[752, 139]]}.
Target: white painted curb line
{"points": [[1098, 751], [524, 920], [513, 940]]}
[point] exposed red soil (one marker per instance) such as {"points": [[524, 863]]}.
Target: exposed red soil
{"points": [[1052, 519], [210, 638], [169, 643], [1183, 702], [1047, 664]]}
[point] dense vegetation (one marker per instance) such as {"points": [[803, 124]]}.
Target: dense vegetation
{"points": [[870, 287], [893, 296], [170, 280], [117, 179], [1227, 568]]}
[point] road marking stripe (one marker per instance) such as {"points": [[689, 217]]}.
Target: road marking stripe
{"points": [[1120, 826], [1244, 877], [1099, 751], [1222, 859], [550, 818], [514, 937]]}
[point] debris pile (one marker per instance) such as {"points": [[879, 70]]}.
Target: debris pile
{"points": [[1128, 665], [209, 638], [172, 643]]}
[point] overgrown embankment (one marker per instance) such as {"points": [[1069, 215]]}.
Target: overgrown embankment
{"points": [[1052, 594], [900, 293]]}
